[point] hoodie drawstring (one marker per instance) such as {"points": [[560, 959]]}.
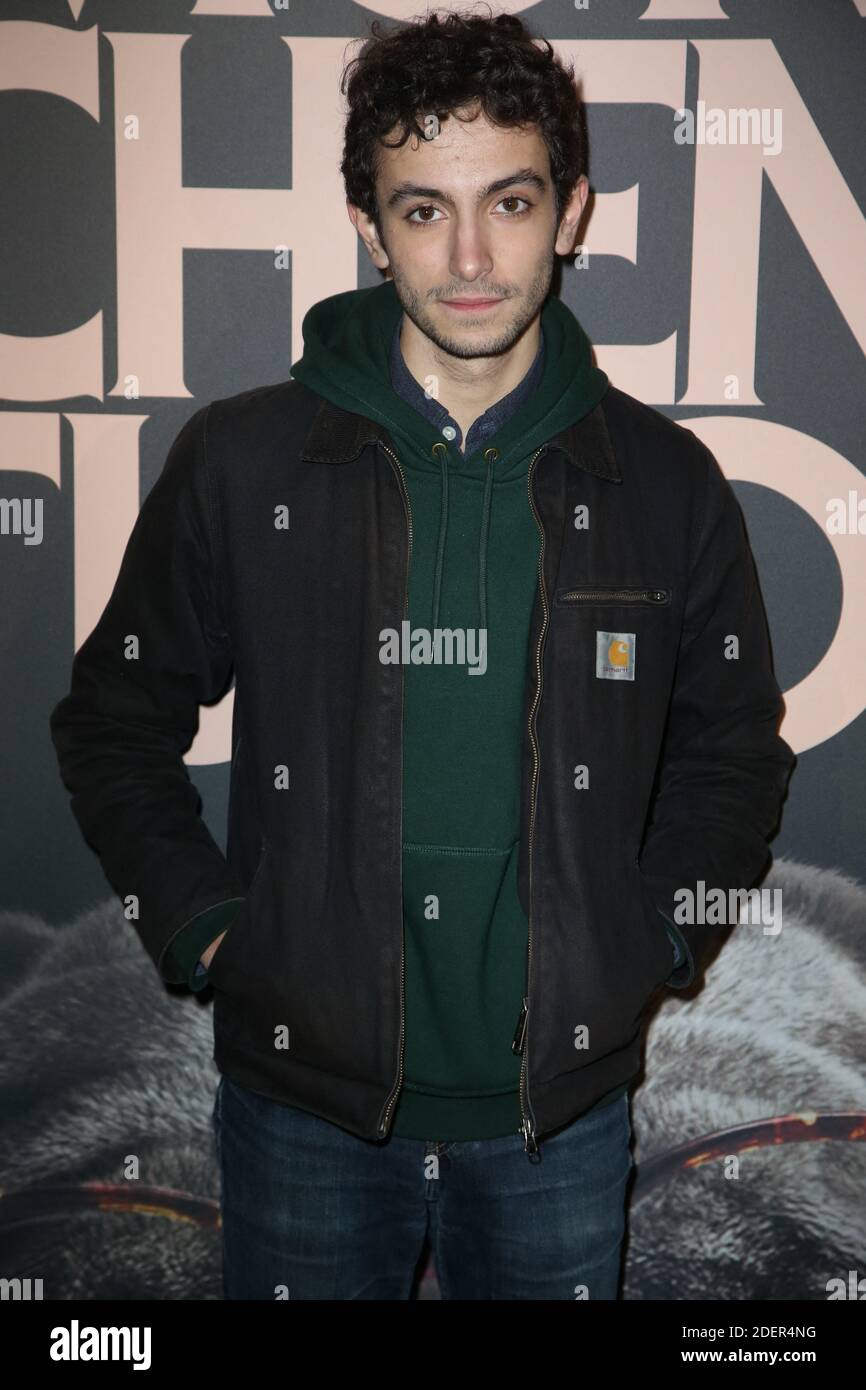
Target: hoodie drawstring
{"points": [[490, 456], [443, 527]]}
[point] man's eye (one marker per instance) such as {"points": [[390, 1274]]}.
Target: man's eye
{"points": [[515, 198], [428, 207], [425, 207]]}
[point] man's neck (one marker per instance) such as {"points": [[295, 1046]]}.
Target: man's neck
{"points": [[467, 387]]}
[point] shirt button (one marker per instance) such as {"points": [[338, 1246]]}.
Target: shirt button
{"points": [[450, 432]]}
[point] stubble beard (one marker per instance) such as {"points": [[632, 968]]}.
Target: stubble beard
{"points": [[494, 343]]}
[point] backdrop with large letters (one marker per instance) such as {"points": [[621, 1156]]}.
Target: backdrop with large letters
{"points": [[171, 208]]}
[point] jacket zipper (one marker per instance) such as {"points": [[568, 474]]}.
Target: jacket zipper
{"points": [[614, 595], [519, 1043], [520, 1030], [389, 1104], [530, 1143]]}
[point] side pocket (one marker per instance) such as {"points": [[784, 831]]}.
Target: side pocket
{"points": [[240, 931], [659, 937], [679, 975]]}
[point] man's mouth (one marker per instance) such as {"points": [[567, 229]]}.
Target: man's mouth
{"points": [[466, 304]]}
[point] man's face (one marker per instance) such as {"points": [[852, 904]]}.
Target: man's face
{"points": [[469, 216]]}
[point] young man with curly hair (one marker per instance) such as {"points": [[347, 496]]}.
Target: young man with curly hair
{"points": [[477, 603]]}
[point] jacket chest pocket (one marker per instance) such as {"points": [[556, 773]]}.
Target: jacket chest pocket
{"points": [[604, 595], [608, 632]]}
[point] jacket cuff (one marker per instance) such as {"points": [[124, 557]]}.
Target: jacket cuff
{"points": [[182, 955], [684, 966]]}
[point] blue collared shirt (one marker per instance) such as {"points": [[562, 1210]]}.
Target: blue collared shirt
{"points": [[487, 424]]}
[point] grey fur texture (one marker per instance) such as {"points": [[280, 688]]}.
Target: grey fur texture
{"points": [[102, 1061]]}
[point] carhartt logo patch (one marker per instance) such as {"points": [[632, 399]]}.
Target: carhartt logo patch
{"points": [[614, 655]]}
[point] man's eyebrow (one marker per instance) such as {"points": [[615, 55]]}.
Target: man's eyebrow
{"points": [[404, 191]]}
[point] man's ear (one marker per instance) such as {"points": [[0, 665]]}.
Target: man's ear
{"points": [[571, 215], [367, 230]]}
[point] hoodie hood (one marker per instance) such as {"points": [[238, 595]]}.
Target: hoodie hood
{"points": [[347, 341]]}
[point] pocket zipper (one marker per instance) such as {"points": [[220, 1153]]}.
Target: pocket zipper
{"points": [[614, 596]]}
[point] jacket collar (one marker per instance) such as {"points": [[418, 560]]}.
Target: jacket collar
{"points": [[338, 436]]}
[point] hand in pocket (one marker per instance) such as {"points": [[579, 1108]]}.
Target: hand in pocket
{"points": [[210, 951]]}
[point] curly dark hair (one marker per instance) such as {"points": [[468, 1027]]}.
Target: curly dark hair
{"points": [[436, 66]]}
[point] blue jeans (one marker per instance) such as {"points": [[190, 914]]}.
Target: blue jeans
{"points": [[310, 1211]]}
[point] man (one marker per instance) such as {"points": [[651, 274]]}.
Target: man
{"points": [[502, 690]]}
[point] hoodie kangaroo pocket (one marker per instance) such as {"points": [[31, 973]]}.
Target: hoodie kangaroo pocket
{"points": [[466, 939]]}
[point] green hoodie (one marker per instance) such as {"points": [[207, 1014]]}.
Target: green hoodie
{"points": [[474, 565]]}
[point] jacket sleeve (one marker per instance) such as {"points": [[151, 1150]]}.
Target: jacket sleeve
{"points": [[159, 650], [723, 767]]}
